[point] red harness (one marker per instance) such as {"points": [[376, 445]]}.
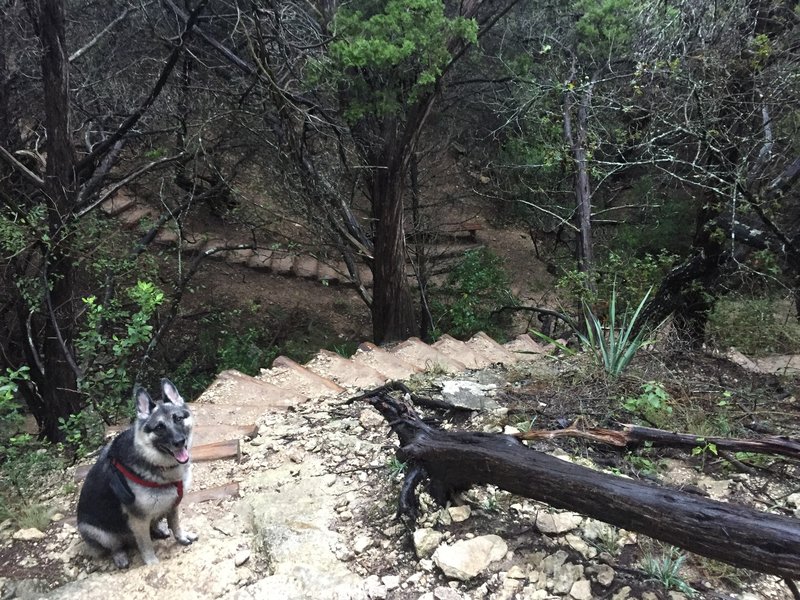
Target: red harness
{"points": [[151, 484]]}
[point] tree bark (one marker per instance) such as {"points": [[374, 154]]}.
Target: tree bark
{"points": [[456, 460], [392, 306], [58, 383]]}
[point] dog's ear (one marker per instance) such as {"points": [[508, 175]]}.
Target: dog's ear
{"points": [[144, 403], [170, 393]]}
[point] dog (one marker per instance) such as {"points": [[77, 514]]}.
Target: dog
{"points": [[140, 478]]}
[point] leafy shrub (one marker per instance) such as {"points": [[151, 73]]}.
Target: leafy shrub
{"points": [[474, 289], [652, 403], [753, 326]]}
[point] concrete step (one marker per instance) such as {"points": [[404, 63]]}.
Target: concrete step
{"points": [[461, 352], [525, 347], [281, 263], [345, 372], [484, 345], [131, 218], [118, 204], [389, 365], [305, 266], [424, 357], [286, 373], [260, 260]]}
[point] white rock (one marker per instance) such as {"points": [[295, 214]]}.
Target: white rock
{"points": [[516, 572], [581, 590], [459, 513], [374, 587], [391, 581], [467, 558], [445, 593], [579, 545], [605, 575], [362, 544], [622, 594], [426, 540], [557, 522], [371, 419], [241, 557], [28, 534]]}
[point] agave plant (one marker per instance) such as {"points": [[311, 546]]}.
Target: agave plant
{"points": [[616, 344]]}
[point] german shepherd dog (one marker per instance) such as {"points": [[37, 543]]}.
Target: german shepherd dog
{"points": [[138, 479]]}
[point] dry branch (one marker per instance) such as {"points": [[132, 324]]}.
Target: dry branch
{"points": [[633, 435], [455, 460]]}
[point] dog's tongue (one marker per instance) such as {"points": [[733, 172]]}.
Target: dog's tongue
{"points": [[181, 455]]}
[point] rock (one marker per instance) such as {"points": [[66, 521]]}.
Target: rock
{"points": [[516, 572], [371, 419], [561, 522], [241, 557], [622, 593], [30, 589], [374, 587], [578, 544], [446, 593], [581, 590], [468, 395], [459, 513], [28, 534], [426, 540], [362, 544], [565, 578], [391, 581], [605, 575], [467, 558]]}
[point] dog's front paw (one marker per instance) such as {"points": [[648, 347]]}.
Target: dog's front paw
{"points": [[186, 537], [150, 559], [121, 559], [159, 531]]}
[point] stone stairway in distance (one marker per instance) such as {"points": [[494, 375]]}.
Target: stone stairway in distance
{"points": [[235, 400]]}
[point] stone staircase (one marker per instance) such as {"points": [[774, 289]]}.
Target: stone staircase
{"points": [[237, 400], [132, 214]]}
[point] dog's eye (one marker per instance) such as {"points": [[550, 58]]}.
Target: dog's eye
{"points": [[159, 427], [178, 418]]}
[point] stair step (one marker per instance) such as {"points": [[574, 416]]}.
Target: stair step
{"points": [[260, 260], [525, 347], [424, 357], [461, 352], [131, 218], [305, 267], [212, 434], [239, 256], [330, 274], [288, 374], [345, 372], [392, 367], [234, 398], [490, 349], [281, 263], [118, 204]]}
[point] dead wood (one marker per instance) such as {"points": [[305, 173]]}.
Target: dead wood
{"points": [[455, 460], [633, 435]]}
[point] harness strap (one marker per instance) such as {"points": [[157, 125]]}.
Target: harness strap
{"points": [[151, 484]]}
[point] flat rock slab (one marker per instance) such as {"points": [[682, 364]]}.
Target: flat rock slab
{"points": [[424, 357], [468, 395], [459, 351], [345, 372], [525, 347], [390, 365], [492, 351], [287, 374]]}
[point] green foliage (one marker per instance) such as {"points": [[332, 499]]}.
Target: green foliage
{"points": [[476, 287], [614, 345], [396, 467], [755, 326], [703, 449], [652, 404], [604, 26], [10, 415], [628, 278], [390, 53], [665, 569]]}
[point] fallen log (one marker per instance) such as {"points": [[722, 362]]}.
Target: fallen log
{"points": [[633, 435], [455, 460]]}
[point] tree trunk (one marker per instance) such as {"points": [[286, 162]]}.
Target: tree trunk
{"points": [[58, 384], [392, 306], [578, 143], [456, 460]]}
